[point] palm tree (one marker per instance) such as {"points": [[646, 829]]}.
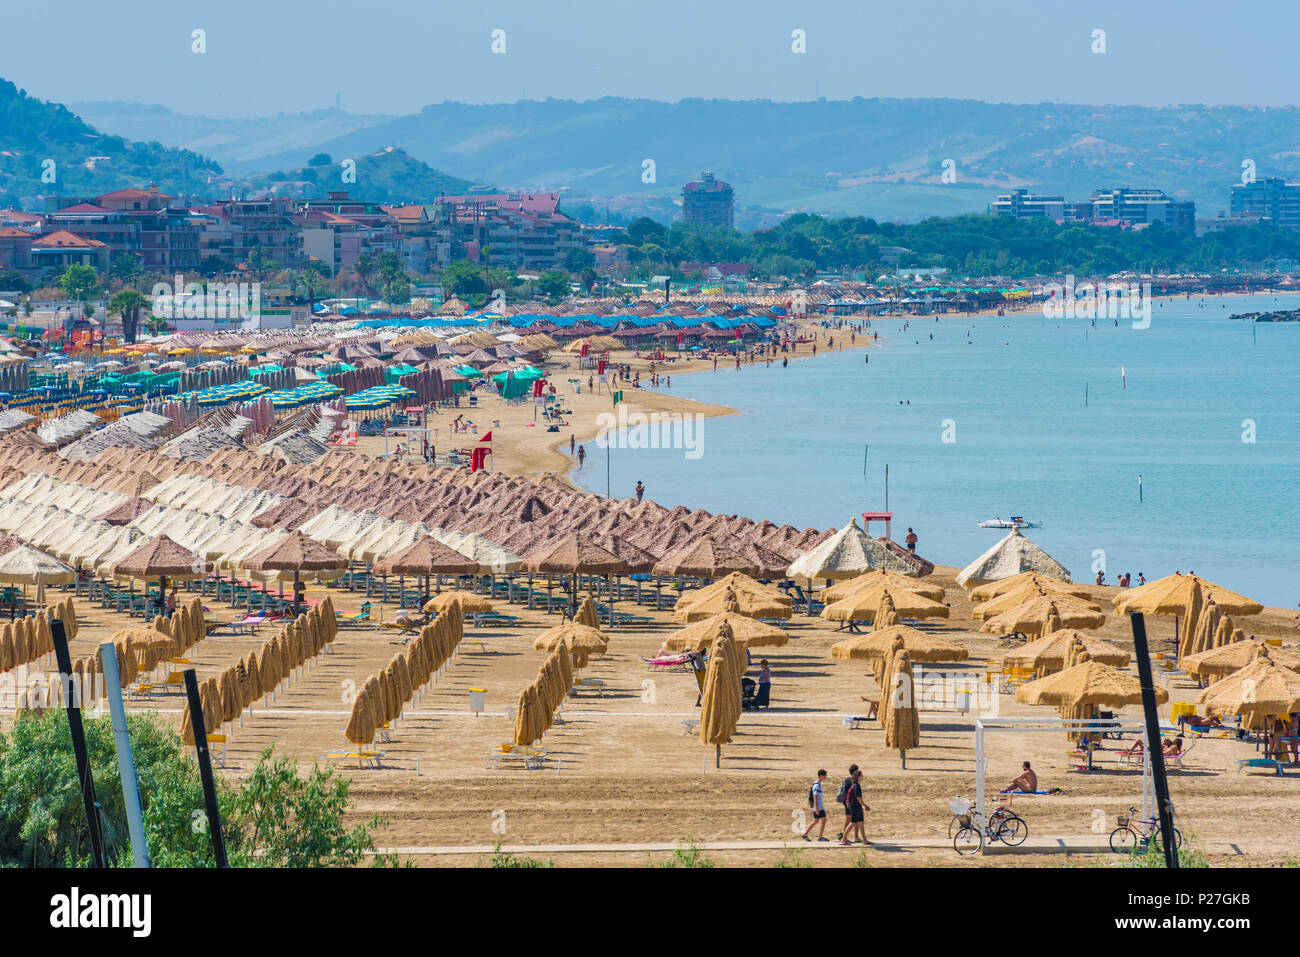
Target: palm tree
{"points": [[128, 304], [157, 325], [311, 282], [365, 267]]}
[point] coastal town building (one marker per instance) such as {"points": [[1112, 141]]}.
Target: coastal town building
{"points": [[709, 202], [1271, 199], [1124, 207], [1022, 204]]}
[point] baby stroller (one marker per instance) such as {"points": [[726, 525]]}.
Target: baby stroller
{"points": [[748, 693]]}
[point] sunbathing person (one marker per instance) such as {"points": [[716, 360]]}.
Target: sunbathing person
{"points": [[1026, 783], [1171, 748], [1196, 721], [875, 706]]}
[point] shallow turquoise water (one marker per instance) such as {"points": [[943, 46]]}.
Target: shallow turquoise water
{"points": [[1025, 443]]}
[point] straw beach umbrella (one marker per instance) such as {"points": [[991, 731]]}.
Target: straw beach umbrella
{"points": [[902, 721], [295, 558], [983, 593], [1261, 689], [575, 555], [581, 640], [1089, 682], [1226, 659], [746, 632], [361, 722], [1032, 615], [1024, 592], [848, 553], [1012, 555], [889, 579], [1183, 596], [868, 602], [586, 613], [720, 703], [1048, 654], [705, 558], [159, 559], [1207, 624], [755, 603], [30, 566], [425, 558], [468, 602], [920, 646]]}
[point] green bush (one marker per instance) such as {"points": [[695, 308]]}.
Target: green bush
{"points": [[277, 818], [690, 854]]}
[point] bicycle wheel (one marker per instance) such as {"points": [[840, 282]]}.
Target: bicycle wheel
{"points": [[1178, 840], [968, 840], [954, 826], [1013, 830], [1123, 840]]}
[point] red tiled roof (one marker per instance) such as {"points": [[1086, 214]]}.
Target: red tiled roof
{"points": [[8, 232], [133, 193], [85, 208], [62, 239]]}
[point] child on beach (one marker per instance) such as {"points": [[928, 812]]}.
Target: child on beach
{"points": [[816, 801]]}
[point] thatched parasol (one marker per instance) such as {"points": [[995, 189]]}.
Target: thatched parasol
{"points": [[1172, 595], [1259, 690], [468, 602], [31, 566], [920, 645], [581, 640], [1012, 555], [705, 558], [1049, 652], [1087, 683], [745, 632], [361, 723], [848, 553], [986, 592], [1226, 659], [527, 728], [1031, 616], [866, 603], [425, 558], [902, 720], [296, 558], [1026, 591], [586, 613], [1207, 624], [753, 603], [720, 702], [889, 579], [160, 559]]}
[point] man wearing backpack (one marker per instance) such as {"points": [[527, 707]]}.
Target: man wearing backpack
{"points": [[842, 797], [818, 806]]}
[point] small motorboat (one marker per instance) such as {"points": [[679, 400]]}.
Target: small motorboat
{"points": [[1015, 521]]}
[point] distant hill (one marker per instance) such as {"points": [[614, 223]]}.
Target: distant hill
{"points": [[852, 157], [86, 161], [236, 143], [386, 176]]}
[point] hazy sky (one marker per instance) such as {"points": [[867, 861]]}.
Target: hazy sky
{"points": [[395, 56]]}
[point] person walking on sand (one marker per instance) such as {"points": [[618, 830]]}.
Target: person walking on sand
{"points": [[857, 813], [843, 798], [572, 444], [640, 490], [582, 456], [817, 803]]}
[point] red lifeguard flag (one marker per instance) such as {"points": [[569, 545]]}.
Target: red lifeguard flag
{"points": [[487, 436]]}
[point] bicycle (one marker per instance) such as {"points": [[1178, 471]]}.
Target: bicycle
{"points": [[969, 830], [1134, 833]]}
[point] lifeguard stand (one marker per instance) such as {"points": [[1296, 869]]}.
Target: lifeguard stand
{"points": [[886, 517]]}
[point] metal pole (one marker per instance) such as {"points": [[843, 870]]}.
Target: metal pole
{"points": [[205, 768], [1155, 754], [64, 660], [125, 760]]}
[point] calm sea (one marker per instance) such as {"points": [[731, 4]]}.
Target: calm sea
{"points": [[1050, 419]]}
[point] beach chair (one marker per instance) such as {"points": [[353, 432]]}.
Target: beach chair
{"points": [[507, 753], [363, 757], [1278, 767], [855, 721], [362, 616], [588, 684], [678, 662], [1175, 759]]}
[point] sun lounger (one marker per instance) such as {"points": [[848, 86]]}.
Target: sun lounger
{"points": [[690, 725], [588, 684], [364, 758], [506, 754], [853, 721], [680, 662], [1279, 768]]}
